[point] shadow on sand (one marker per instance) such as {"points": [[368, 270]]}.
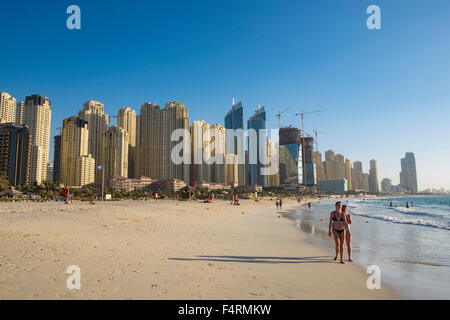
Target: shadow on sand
{"points": [[248, 259]]}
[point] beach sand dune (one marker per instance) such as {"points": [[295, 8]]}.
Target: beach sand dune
{"points": [[167, 250]]}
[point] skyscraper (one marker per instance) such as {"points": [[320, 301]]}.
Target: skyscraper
{"points": [[201, 170], [290, 156], [15, 152], [348, 173], [126, 119], [218, 172], [408, 175], [386, 185], [7, 108], [97, 121], [77, 167], [360, 180], [19, 111], [155, 147], [258, 123], [57, 159], [37, 116], [114, 156], [234, 120], [373, 177]]}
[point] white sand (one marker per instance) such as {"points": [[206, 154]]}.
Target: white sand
{"points": [[167, 250]]}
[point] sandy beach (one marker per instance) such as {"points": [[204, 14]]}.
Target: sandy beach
{"points": [[168, 250]]}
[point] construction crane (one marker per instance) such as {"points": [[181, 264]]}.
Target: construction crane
{"points": [[302, 116], [316, 133], [278, 115], [109, 119]]}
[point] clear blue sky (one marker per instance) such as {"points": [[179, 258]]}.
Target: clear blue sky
{"points": [[385, 91]]}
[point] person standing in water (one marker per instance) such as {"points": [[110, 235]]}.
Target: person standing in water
{"points": [[348, 234], [338, 224], [390, 204], [407, 205]]}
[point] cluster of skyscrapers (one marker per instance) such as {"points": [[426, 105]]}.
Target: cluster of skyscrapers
{"points": [[140, 146]]}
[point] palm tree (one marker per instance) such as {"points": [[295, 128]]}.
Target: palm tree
{"points": [[3, 183]]}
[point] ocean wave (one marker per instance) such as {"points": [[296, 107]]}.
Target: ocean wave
{"points": [[416, 212], [431, 224]]}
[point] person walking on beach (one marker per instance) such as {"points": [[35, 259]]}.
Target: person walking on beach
{"points": [[348, 234], [281, 204], [277, 203], [309, 205], [338, 224]]}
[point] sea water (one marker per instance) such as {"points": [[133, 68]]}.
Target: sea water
{"points": [[410, 245]]}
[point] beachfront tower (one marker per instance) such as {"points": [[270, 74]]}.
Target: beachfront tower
{"points": [[234, 120], [97, 120], [7, 108], [408, 175], [37, 116], [126, 119], [256, 126]]}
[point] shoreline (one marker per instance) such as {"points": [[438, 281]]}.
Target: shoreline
{"points": [[168, 249], [291, 216]]}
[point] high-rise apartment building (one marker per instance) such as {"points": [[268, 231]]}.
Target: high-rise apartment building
{"points": [[257, 141], [7, 108], [320, 169], [114, 156], [348, 173], [201, 169], [93, 112], [154, 143], [290, 156], [36, 115], [19, 111], [126, 119], [232, 169], [234, 120], [408, 175], [273, 180], [386, 185], [50, 170], [218, 139], [15, 152], [57, 159], [360, 180], [373, 177], [77, 167]]}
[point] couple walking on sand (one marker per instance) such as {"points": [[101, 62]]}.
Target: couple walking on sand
{"points": [[279, 204], [339, 225]]}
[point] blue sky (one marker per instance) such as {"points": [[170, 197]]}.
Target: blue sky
{"points": [[386, 91]]}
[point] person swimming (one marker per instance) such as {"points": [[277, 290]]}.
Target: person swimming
{"points": [[338, 224]]}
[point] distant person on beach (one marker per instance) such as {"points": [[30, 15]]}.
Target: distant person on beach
{"points": [[348, 234], [309, 205], [390, 204], [407, 205], [277, 203], [338, 224], [281, 204]]}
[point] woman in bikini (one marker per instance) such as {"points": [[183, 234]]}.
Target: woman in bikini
{"points": [[338, 224], [348, 234]]}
